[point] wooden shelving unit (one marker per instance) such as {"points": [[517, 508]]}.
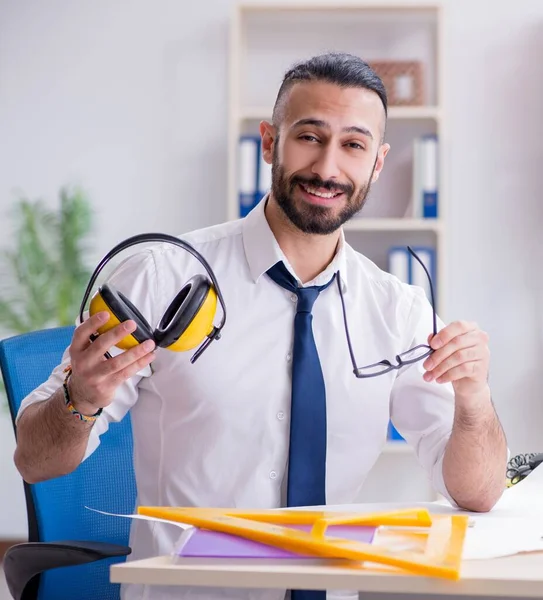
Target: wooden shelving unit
{"points": [[266, 39]]}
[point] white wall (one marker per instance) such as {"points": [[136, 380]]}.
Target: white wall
{"points": [[129, 99]]}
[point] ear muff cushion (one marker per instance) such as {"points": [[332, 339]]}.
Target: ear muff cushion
{"points": [[121, 309], [200, 327], [182, 311]]}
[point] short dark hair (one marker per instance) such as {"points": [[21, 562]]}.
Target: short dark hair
{"points": [[345, 70]]}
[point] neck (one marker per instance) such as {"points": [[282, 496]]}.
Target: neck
{"points": [[309, 254]]}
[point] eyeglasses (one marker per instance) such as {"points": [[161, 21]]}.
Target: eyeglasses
{"points": [[405, 358]]}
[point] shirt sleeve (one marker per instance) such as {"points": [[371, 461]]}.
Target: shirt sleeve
{"points": [[136, 278], [421, 411]]}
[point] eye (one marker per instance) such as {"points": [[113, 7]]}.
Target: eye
{"points": [[309, 138], [355, 146]]}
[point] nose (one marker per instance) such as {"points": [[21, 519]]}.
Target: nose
{"points": [[326, 164]]}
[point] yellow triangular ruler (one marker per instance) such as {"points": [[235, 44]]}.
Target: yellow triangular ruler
{"points": [[414, 540]]}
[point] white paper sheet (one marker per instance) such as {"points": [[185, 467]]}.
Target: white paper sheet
{"points": [[142, 517], [514, 525], [492, 537]]}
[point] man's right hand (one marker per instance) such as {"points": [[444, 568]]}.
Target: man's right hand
{"points": [[94, 377]]}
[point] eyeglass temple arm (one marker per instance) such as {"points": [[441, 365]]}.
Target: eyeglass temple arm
{"points": [[351, 352], [434, 316]]}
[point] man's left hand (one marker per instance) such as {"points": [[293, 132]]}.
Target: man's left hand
{"points": [[461, 356]]}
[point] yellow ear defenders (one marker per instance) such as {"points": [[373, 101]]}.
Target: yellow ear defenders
{"points": [[186, 323]]}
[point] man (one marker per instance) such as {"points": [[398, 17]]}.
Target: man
{"points": [[229, 430]]}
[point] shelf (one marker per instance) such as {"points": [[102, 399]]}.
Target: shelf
{"points": [[362, 224], [397, 447], [414, 112], [333, 6], [406, 113]]}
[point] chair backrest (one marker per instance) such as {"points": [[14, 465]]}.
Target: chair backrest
{"points": [[105, 481]]}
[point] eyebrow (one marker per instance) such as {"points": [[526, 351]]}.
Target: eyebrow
{"points": [[324, 125]]}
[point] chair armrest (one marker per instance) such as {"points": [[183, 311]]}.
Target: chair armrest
{"points": [[24, 562]]}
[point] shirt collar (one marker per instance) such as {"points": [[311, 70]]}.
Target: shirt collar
{"points": [[262, 250]]}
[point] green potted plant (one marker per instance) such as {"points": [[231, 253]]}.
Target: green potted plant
{"points": [[43, 277]]}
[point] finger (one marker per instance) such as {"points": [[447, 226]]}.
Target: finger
{"points": [[429, 339], [110, 338], [451, 331], [466, 356], [472, 370], [467, 340], [125, 359], [135, 367], [83, 332]]}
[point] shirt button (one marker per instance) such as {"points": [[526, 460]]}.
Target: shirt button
{"points": [[289, 357], [293, 297], [281, 415], [273, 475]]}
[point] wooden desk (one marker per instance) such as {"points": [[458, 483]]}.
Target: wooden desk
{"points": [[519, 576]]}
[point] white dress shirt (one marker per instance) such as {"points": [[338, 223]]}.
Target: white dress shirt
{"points": [[216, 432]]}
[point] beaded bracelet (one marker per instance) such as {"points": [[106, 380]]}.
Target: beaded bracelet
{"points": [[71, 407]]}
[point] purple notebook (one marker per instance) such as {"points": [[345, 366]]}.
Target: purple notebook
{"points": [[215, 544]]}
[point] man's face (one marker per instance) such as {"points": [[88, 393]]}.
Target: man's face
{"points": [[326, 154]]}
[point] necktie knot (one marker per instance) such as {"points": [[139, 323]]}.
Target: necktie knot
{"points": [[306, 299], [306, 295]]}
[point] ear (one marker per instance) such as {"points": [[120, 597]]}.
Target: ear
{"points": [[380, 162], [268, 133]]}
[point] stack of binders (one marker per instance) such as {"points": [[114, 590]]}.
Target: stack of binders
{"points": [[425, 192], [254, 174]]}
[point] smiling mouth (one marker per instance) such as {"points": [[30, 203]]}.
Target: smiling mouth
{"points": [[320, 193]]}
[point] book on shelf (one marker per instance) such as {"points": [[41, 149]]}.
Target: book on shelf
{"points": [[393, 435], [425, 183], [254, 173]]}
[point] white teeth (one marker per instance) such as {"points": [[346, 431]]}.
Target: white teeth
{"points": [[315, 192]]}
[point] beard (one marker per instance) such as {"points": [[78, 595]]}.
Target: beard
{"points": [[321, 220]]}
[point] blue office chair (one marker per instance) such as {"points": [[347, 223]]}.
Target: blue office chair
{"points": [[70, 548]]}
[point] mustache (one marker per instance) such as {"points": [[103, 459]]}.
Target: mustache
{"points": [[317, 182]]}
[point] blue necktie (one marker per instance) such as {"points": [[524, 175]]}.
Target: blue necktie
{"points": [[307, 448]]}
